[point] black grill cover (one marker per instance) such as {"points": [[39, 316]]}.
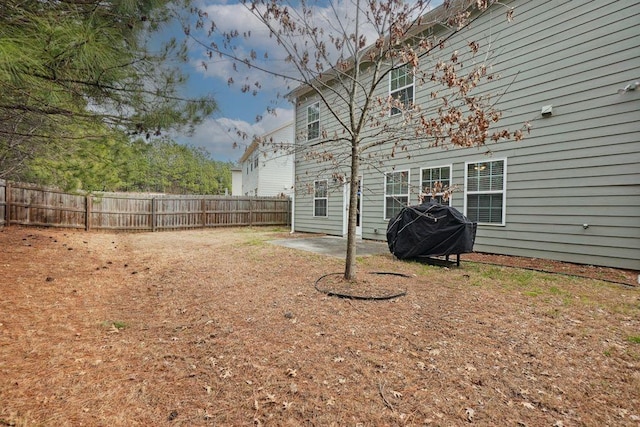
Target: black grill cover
{"points": [[430, 229]]}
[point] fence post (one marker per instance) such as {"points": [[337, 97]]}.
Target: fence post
{"points": [[250, 211], [153, 214], [88, 200], [7, 203], [203, 206]]}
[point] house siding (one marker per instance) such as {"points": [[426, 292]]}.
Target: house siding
{"points": [[236, 181], [250, 175], [274, 174], [304, 210], [579, 166], [275, 166]]}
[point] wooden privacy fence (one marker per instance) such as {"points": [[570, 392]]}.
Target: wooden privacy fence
{"points": [[26, 204]]}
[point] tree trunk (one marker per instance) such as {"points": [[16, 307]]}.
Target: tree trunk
{"points": [[350, 261]]}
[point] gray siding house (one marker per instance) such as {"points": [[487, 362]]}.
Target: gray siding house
{"points": [[569, 191]]}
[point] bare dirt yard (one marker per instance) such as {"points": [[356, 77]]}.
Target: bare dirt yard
{"points": [[221, 327]]}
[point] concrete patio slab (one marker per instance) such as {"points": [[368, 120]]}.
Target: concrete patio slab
{"points": [[333, 245]]}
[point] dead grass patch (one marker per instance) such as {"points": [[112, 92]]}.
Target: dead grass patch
{"points": [[217, 328]]}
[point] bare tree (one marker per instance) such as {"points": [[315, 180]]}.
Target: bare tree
{"points": [[346, 53]]}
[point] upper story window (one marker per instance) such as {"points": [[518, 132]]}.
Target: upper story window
{"points": [[313, 121], [486, 191], [255, 162], [320, 198], [432, 179], [396, 192], [401, 87]]}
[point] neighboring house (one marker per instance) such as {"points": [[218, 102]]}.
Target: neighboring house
{"points": [[267, 164], [236, 181], [569, 191]]}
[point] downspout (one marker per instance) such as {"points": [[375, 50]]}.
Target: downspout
{"points": [[293, 182], [293, 210]]}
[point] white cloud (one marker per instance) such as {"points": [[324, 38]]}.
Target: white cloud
{"points": [[231, 18], [333, 18], [218, 135]]}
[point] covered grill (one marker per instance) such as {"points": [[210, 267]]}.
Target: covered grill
{"points": [[430, 230]]}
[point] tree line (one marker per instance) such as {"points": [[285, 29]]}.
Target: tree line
{"points": [[159, 165], [89, 97]]}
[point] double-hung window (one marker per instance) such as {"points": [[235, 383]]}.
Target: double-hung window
{"points": [[313, 121], [396, 193], [401, 87], [485, 191], [431, 179], [320, 198]]}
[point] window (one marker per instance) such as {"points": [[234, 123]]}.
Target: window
{"points": [[401, 87], [396, 193], [485, 192], [320, 198], [255, 162], [313, 121], [430, 178]]}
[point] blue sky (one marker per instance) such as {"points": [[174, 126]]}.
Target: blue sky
{"points": [[237, 110]]}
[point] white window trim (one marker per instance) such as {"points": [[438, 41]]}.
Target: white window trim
{"points": [[321, 198], [503, 191], [315, 121], [450, 166], [413, 84], [384, 211]]}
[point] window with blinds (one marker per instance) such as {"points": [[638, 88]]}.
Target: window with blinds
{"points": [[430, 179], [401, 87], [320, 198], [313, 121], [396, 193], [485, 191]]}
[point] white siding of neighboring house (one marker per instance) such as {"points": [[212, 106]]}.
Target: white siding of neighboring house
{"points": [[273, 175], [236, 182], [573, 184], [250, 174]]}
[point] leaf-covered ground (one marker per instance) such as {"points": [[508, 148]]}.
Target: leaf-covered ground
{"points": [[220, 327]]}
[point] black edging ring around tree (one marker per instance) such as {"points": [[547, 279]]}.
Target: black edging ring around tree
{"points": [[361, 297]]}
